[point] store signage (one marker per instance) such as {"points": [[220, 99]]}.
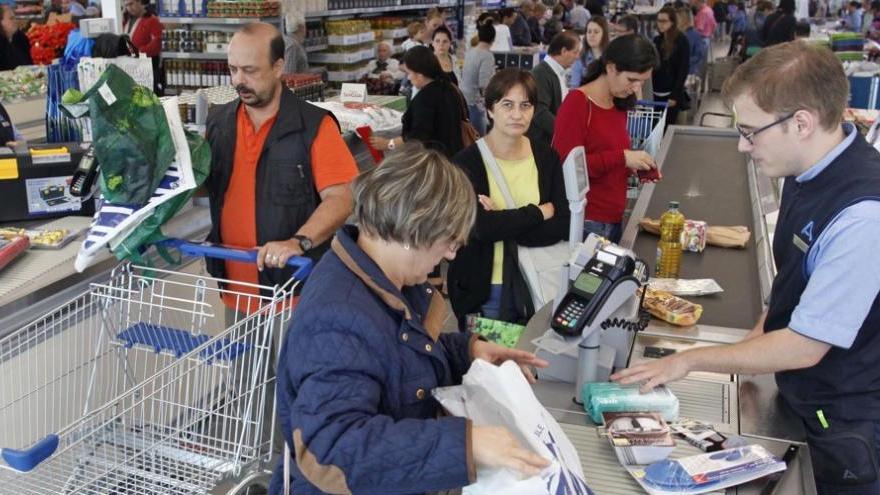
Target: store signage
{"points": [[353, 93]]}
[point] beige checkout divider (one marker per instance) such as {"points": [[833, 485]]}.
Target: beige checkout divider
{"points": [[694, 157]]}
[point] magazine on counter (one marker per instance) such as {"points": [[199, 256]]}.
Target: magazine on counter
{"points": [[708, 472]]}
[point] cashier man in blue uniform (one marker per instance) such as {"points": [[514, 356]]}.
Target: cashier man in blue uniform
{"points": [[821, 332]]}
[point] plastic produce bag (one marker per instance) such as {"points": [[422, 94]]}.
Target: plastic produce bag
{"points": [[132, 140], [500, 396]]}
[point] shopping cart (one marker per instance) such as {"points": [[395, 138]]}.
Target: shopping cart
{"points": [[137, 386], [646, 124]]}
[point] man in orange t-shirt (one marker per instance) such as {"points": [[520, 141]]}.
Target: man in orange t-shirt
{"points": [[280, 173]]}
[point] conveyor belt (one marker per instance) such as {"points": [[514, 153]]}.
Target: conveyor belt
{"points": [[703, 170]]}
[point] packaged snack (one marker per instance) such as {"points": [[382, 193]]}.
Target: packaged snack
{"points": [[670, 308], [693, 237], [638, 438]]}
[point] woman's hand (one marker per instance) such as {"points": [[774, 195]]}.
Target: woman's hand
{"points": [[379, 142], [547, 210], [638, 160], [496, 354], [486, 202], [495, 446]]}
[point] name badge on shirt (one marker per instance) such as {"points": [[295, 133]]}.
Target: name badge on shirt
{"points": [[800, 244]]}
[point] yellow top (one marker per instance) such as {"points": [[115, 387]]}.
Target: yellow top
{"points": [[522, 180]]}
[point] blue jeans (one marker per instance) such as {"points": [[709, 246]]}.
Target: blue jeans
{"points": [[611, 231], [478, 118], [492, 307]]}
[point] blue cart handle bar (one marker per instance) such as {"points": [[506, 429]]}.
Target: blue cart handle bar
{"points": [[302, 264], [650, 103], [27, 459]]}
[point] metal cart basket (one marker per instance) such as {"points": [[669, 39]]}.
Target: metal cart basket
{"points": [[138, 386], [646, 124]]}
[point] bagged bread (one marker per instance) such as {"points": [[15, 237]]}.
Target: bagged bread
{"points": [[671, 308]]}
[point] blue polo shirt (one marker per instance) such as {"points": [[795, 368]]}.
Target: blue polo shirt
{"points": [[844, 277]]}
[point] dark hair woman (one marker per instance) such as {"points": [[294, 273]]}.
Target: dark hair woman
{"points": [[669, 78], [594, 116], [441, 42], [436, 111], [485, 277]]}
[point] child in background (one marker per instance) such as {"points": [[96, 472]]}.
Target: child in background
{"points": [[416, 31]]}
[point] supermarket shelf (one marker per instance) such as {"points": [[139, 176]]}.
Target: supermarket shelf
{"points": [[372, 10], [343, 58], [351, 39], [194, 56], [316, 48], [217, 20]]}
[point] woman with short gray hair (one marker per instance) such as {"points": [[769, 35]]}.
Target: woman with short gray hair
{"points": [[365, 348]]}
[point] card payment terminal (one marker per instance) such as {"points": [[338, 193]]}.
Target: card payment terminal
{"points": [[590, 290]]}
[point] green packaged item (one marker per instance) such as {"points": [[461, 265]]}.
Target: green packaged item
{"points": [[499, 332], [601, 397], [131, 137]]}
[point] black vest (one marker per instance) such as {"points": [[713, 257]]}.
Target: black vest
{"points": [[286, 195], [846, 382]]}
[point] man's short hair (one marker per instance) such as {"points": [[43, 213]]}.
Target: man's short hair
{"points": [[276, 44], [629, 22], [415, 197], [793, 76], [566, 39]]}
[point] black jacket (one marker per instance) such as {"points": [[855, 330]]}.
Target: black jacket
{"points": [[549, 100], [778, 28], [16, 52], [535, 29], [672, 73], [286, 195], [434, 117], [470, 273]]}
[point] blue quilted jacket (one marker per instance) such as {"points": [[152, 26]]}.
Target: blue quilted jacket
{"points": [[354, 384]]}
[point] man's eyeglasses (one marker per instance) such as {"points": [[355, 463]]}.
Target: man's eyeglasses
{"points": [[750, 136]]}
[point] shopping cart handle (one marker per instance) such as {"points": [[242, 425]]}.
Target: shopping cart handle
{"points": [[26, 460], [302, 264], [651, 103]]}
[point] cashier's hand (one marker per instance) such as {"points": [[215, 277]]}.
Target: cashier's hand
{"points": [[496, 354], [655, 372], [379, 142], [639, 160], [275, 254], [495, 446]]}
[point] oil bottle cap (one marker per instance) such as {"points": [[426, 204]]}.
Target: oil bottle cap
{"points": [[673, 204]]}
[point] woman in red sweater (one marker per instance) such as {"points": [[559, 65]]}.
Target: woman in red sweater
{"points": [[143, 27], [594, 116]]}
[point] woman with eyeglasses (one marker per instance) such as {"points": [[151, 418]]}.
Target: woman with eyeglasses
{"points": [[594, 116], [485, 277], [671, 74]]}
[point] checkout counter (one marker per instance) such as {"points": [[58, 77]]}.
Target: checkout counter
{"points": [[703, 170]]}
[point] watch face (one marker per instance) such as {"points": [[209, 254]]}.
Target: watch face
{"points": [[304, 242]]}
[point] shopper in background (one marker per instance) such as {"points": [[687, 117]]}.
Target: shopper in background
{"points": [[567, 6], [720, 12], [704, 21], [739, 22], [535, 21], [384, 66], [595, 42], [416, 31], [142, 25], [696, 48], [779, 26], [852, 20], [594, 116], [15, 49], [553, 26], [366, 348], [802, 30], [626, 25], [280, 173], [669, 77], [755, 30], [441, 42], [519, 28], [479, 67], [435, 114], [552, 88], [485, 277], [819, 333], [579, 17], [503, 39], [296, 60], [433, 20]]}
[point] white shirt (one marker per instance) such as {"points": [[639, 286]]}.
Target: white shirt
{"points": [[560, 72], [409, 43], [503, 40], [393, 69]]}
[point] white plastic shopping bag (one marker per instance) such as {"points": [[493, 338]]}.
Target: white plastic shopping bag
{"points": [[500, 396]]}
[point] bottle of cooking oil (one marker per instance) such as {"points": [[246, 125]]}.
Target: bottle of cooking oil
{"points": [[669, 247]]}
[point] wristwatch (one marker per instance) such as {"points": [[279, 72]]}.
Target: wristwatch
{"points": [[304, 242]]}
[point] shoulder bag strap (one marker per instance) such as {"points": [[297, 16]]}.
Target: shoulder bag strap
{"points": [[493, 167]]}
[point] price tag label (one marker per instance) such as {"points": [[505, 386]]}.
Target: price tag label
{"points": [[353, 93]]}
